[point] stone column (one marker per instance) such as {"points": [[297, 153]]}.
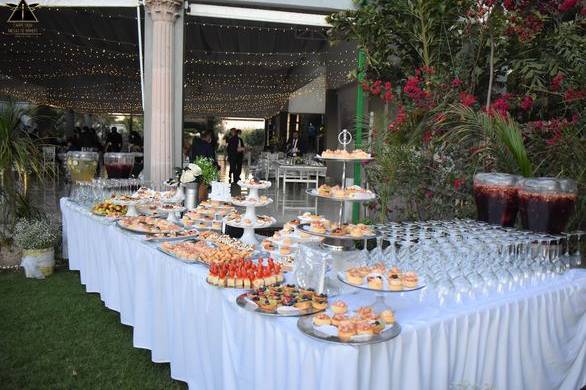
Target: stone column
{"points": [[159, 149]]}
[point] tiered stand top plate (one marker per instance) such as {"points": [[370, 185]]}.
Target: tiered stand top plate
{"points": [[304, 227], [262, 185], [251, 203], [356, 159], [253, 225], [314, 192], [385, 288]]}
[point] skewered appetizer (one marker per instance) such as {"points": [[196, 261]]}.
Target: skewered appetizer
{"points": [[245, 274]]}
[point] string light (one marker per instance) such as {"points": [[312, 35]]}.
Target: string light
{"points": [[65, 72]]}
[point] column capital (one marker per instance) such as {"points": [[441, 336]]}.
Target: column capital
{"points": [[166, 10]]}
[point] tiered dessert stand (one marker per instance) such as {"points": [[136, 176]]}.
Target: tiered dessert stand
{"points": [[339, 243], [251, 203]]}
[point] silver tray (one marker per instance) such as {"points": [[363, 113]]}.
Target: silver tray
{"points": [[313, 192], [188, 261], [420, 285], [141, 231], [304, 227], [344, 159], [166, 239], [247, 305], [305, 325]]}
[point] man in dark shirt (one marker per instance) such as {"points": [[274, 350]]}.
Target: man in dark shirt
{"points": [[235, 150], [114, 141], [203, 147], [294, 146]]}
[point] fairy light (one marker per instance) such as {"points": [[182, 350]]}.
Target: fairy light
{"points": [[65, 72]]}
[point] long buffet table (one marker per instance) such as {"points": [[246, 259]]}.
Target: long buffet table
{"points": [[529, 339]]}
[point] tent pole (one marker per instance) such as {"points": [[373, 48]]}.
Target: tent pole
{"points": [[359, 125], [140, 55]]}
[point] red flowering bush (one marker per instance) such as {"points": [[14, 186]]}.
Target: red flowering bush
{"points": [[515, 64]]}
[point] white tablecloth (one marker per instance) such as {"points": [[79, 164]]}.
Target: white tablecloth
{"points": [[530, 339]]}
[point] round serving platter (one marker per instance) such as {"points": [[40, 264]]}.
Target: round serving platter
{"points": [[251, 226], [305, 324], [140, 231], [262, 185], [305, 228], [248, 305], [314, 192], [188, 261], [357, 159], [166, 239], [251, 203], [342, 278]]}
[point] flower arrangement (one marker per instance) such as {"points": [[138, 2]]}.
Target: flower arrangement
{"points": [[201, 170], [32, 234], [189, 174]]}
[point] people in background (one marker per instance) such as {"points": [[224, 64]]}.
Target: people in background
{"points": [[134, 141], [203, 146], [114, 141], [294, 146], [85, 139], [312, 137], [235, 150]]}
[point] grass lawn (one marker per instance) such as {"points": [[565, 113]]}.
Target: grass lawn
{"points": [[55, 335]]}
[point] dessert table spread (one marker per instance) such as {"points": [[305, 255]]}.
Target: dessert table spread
{"points": [[534, 338]]}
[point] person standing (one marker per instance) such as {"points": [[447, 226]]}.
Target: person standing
{"points": [[235, 150], [312, 137], [114, 141], [203, 147]]}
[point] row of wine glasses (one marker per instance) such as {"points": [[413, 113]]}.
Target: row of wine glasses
{"points": [[89, 192], [461, 258]]}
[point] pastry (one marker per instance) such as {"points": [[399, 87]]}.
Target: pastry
{"points": [[410, 279], [395, 283], [387, 316], [375, 282], [285, 251], [339, 307], [303, 304], [337, 319], [321, 319], [365, 328], [354, 277], [346, 331]]}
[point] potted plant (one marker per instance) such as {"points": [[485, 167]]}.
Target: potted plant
{"points": [[37, 239], [209, 173]]}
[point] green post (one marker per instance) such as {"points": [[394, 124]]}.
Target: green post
{"points": [[359, 124]]}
